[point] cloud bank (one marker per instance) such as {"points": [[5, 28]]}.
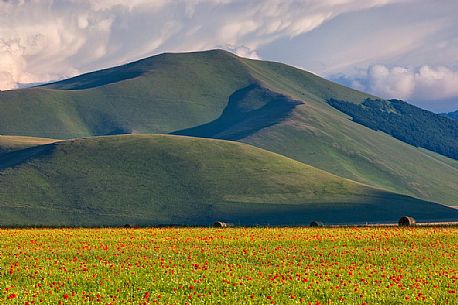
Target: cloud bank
{"points": [[424, 83], [47, 40]]}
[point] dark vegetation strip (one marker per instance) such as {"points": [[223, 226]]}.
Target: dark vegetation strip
{"points": [[420, 224], [405, 122]]}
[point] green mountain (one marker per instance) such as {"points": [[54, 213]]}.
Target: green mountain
{"points": [[162, 179], [217, 94]]}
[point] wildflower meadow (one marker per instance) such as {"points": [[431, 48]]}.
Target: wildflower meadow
{"points": [[229, 266]]}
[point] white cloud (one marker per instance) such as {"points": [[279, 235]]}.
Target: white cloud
{"points": [[36, 44], [424, 83], [46, 40], [395, 82], [242, 51], [107, 5], [435, 83]]}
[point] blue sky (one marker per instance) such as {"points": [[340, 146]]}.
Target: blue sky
{"points": [[404, 49]]}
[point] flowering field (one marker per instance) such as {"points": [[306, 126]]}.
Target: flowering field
{"points": [[229, 266]]}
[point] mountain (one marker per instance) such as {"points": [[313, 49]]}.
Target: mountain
{"points": [[163, 179], [215, 94]]}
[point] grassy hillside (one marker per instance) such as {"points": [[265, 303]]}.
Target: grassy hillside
{"points": [[316, 134], [217, 94], [319, 135], [157, 179]]}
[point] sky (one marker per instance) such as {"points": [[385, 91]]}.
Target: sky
{"points": [[405, 49]]}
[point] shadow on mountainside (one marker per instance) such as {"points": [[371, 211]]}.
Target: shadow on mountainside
{"points": [[249, 110]]}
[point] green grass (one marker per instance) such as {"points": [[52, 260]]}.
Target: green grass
{"points": [[192, 91], [162, 179]]}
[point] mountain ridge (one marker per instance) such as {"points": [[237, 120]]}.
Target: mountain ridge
{"points": [[182, 91]]}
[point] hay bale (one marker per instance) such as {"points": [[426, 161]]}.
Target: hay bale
{"points": [[316, 223], [220, 224], [407, 221]]}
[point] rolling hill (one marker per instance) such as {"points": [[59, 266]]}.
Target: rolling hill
{"points": [[216, 94], [163, 179]]}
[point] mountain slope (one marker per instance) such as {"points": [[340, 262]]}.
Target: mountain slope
{"points": [[157, 179], [217, 94], [318, 135]]}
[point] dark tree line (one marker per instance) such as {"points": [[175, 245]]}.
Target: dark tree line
{"points": [[405, 122]]}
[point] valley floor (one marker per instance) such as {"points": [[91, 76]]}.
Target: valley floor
{"points": [[229, 266]]}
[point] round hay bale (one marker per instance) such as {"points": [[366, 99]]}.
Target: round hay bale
{"points": [[407, 221], [221, 224], [316, 223]]}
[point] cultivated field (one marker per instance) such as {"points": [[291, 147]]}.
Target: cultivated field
{"points": [[229, 266]]}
